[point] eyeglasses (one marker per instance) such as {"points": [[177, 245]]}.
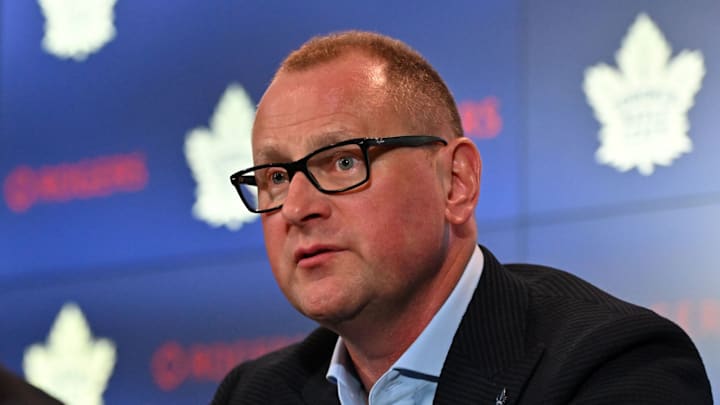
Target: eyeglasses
{"points": [[331, 169]]}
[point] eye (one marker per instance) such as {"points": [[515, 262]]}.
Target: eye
{"points": [[278, 177], [345, 162]]}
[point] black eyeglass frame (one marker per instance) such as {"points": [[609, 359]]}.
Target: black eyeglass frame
{"points": [[239, 178]]}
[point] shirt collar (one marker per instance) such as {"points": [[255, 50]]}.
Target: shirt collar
{"points": [[427, 354]]}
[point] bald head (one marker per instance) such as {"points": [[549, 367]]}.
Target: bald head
{"points": [[413, 88]]}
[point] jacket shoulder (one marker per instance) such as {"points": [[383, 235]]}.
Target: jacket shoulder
{"points": [[601, 348], [548, 286]]}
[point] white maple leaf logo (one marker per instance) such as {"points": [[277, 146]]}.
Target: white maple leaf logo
{"points": [[643, 105], [71, 366], [76, 28], [214, 153]]}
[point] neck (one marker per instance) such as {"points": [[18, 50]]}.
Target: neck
{"points": [[375, 341]]}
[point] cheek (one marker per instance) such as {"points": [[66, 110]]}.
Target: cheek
{"points": [[273, 233], [269, 235], [404, 217]]}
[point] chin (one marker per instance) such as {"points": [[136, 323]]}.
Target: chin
{"points": [[330, 314]]}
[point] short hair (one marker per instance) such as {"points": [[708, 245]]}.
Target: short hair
{"points": [[414, 86]]}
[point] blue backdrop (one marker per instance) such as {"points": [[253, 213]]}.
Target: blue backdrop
{"points": [[99, 183]]}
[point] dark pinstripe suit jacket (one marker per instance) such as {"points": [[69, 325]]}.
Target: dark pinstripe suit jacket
{"points": [[540, 335]]}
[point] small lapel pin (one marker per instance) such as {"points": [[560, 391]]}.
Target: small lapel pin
{"points": [[501, 398]]}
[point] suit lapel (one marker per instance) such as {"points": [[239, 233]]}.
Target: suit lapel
{"points": [[490, 352]]}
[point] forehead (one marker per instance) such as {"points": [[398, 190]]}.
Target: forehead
{"points": [[337, 100]]}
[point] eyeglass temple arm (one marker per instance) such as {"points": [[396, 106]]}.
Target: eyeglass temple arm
{"points": [[410, 140]]}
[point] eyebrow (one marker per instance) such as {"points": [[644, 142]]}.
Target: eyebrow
{"points": [[272, 154]]}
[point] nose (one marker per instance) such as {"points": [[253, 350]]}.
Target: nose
{"points": [[303, 201]]}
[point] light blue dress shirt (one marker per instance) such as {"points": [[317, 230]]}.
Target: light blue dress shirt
{"points": [[414, 376]]}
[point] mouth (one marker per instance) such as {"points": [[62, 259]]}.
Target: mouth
{"points": [[311, 254]]}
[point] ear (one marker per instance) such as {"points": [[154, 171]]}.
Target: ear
{"points": [[464, 190]]}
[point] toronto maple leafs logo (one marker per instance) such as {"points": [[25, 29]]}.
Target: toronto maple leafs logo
{"points": [[71, 366], [214, 153], [643, 105], [76, 28]]}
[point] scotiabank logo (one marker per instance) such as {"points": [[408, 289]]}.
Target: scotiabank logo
{"points": [[173, 364], [481, 118], [88, 178]]}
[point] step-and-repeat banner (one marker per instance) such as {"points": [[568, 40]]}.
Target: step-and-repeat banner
{"points": [[132, 273]]}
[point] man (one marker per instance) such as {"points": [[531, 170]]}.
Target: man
{"points": [[367, 191]]}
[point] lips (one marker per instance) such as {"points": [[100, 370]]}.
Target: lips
{"points": [[305, 254]]}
